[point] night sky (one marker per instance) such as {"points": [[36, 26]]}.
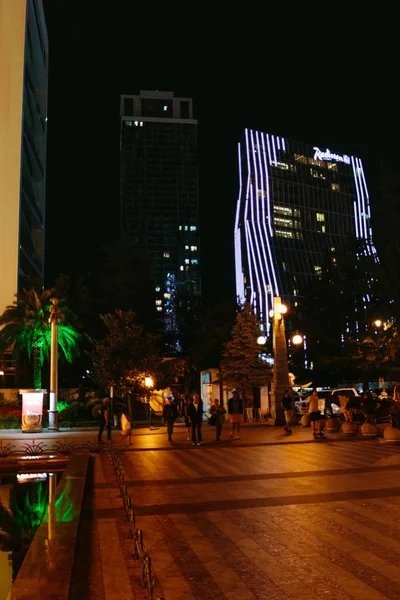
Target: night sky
{"points": [[301, 76]]}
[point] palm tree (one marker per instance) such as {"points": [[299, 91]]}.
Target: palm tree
{"points": [[24, 327]]}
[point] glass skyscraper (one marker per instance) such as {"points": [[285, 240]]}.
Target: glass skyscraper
{"points": [[296, 203], [159, 197]]}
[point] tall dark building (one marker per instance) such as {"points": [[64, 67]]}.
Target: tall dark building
{"points": [[159, 198], [296, 203], [23, 125]]}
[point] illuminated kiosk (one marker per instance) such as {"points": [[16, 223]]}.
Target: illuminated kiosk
{"points": [[297, 203], [32, 410]]}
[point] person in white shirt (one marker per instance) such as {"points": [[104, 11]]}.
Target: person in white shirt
{"points": [[315, 414]]}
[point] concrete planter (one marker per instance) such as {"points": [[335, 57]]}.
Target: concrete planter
{"points": [[306, 420], [381, 428], [349, 428], [391, 434], [332, 425], [369, 430]]}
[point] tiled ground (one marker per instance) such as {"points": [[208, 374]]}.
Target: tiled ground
{"points": [[267, 517]]}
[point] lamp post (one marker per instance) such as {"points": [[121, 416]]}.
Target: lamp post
{"points": [[54, 319], [1, 378], [149, 383], [280, 373]]}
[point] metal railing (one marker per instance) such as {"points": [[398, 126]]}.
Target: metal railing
{"points": [[140, 551]]}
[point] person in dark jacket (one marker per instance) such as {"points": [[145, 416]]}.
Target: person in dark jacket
{"points": [[170, 414], [219, 412], [195, 412], [235, 411], [105, 420]]}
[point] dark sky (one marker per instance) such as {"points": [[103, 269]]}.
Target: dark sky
{"points": [[302, 75]]}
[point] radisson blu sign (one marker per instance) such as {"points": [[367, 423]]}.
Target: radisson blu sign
{"points": [[328, 155]]}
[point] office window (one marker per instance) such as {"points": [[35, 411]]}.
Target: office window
{"points": [[166, 254], [193, 248], [335, 187], [320, 217]]}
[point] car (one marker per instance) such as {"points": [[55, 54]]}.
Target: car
{"points": [[333, 402]]}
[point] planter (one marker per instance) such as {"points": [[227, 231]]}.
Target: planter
{"points": [[349, 428], [369, 430], [391, 434], [306, 420], [332, 425], [381, 428]]}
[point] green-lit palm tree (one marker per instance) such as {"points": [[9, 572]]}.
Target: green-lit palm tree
{"points": [[24, 327]]}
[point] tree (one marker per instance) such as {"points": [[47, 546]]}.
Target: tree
{"points": [[126, 355], [24, 327], [241, 365]]}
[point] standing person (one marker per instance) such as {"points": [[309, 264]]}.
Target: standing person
{"points": [[235, 410], [287, 405], [105, 420], [315, 414], [126, 427], [170, 414], [195, 412], [220, 412], [188, 424]]}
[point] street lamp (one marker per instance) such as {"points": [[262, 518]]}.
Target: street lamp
{"points": [[377, 323], [54, 319], [1, 378], [280, 373], [261, 340], [297, 339], [148, 382]]}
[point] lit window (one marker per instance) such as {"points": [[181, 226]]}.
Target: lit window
{"points": [[294, 292], [282, 221], [296, 303], [195, 261], [158, 302], [335, 187], [187, 268], [332, 249], [320, 217], [193, 248], [166, 254], [182, 268], [158, 288], [141, 123], [128, 123], [136, 123], [186, 247], [180, 227], [283, 209], [334, 261], [331, 166], [159, 308], [167, 295], [187, 261], [165, 107], [317, 269], [284, 234], [281, 165], [186, 227], [284, 266], [323, 228], [193, 228]]}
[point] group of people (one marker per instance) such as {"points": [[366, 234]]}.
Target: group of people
{"points": [[191, 410], [313, 410]]}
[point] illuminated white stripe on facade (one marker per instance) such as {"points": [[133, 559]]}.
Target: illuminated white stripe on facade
{"points": [[273, 148], [283, 145], [358, 198], [240, 291]]}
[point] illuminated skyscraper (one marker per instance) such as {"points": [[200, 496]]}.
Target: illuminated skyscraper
{"points": [[23, 117], [296, 203], [159, 197]]}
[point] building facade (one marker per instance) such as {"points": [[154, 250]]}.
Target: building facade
{"points": [[159, 197], [23, 123], [296, 203]]}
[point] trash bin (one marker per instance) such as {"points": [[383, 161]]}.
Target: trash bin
{"points": [[32, 410]]}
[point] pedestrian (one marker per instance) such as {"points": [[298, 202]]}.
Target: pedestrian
{"points": [[287, 405], [105, 420], [219, 412], [170, 414], [195, 412], [249, 408], [188, 425], [235, 410], [126, 427], [315, 414]]}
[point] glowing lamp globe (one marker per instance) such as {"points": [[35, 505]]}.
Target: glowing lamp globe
{"points": [[297, 339], [378, 323], [282, 309], [271, 314], [261, 340], [148, 381]]}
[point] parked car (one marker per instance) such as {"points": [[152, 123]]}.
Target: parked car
{"points": [[332, 401]]}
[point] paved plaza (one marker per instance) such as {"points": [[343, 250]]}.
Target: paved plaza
{"points": [[269, 516], [265, 517]]}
